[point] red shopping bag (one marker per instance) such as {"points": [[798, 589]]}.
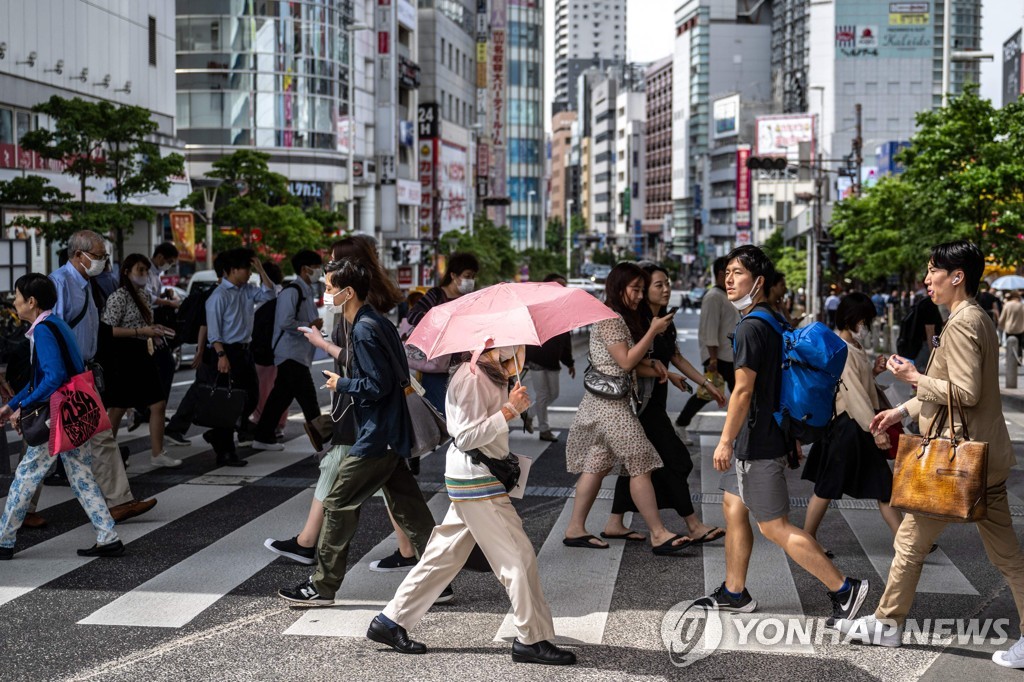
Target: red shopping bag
{"points": [[76, 414]]}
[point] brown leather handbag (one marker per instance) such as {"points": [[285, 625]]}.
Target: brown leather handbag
{"points": [[944, 478]]}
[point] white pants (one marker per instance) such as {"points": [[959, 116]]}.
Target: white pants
{"points": [[496, 527], [544, 385]]}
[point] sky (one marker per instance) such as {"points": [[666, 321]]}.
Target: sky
{"points": [[650, 35]]}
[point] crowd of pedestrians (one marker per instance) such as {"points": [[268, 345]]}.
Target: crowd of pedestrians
{"points": [[257, 335]]}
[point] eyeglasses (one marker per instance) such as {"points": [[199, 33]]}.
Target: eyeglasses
{"points": [[92, 255]]}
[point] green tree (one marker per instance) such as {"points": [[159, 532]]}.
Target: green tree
{"points": [[964, 178], [789, 260], [492, 245], [98, 141], [36, 192], [288, 229]]}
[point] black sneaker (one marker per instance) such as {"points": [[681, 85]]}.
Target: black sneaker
{"points": [[720, 599], [395, 562], [304, 594], [176, 439], [846, 604], [292, 549], [6, 553], [448, 595]]}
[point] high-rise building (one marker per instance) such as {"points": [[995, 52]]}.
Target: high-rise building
{"points": [[630, 124], [587, 35], [1013, 69], [561, 150], [658, 151], [122, 53]]}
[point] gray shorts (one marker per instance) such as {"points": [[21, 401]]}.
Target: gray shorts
{"points": [[761, 484]]}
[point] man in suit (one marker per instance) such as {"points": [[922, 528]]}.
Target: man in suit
{"points": [[965, 361]]}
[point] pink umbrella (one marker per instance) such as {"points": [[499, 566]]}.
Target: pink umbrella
{"points": [[528, 313]]}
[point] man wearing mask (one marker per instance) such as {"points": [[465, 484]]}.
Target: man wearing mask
{"points": [[758, 481], [76, 305], [718, 320], [293, 355], [459, 280]]}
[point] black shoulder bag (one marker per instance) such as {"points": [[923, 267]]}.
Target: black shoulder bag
{"points": [[506, 469]]}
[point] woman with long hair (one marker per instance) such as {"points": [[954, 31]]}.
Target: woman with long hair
{"points": [[384, 293], [133, 377], [606, 432], [670, 487]]}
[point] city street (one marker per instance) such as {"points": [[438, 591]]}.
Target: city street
{"points": [[194, 597]]}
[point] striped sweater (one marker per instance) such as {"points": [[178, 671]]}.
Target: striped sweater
{"points": [[470, 489]]}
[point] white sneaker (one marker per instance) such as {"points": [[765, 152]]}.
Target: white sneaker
{"points": [[260, 445], [1012, 657], [870, 630], [162, 460]]}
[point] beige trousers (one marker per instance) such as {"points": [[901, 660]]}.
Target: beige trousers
{"points": [[916, 536], [108, 469], [496, 527]]}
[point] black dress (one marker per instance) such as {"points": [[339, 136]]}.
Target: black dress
{"points": [[847, 462], [669, 481], [131, 374]]}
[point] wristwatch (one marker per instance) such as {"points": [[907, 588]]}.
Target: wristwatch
{"points": [[221, 354]]}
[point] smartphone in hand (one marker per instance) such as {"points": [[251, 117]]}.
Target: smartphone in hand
{"points": [[673, 311], [305, 330]]}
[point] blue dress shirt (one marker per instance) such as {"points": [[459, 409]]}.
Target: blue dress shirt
{"points": [[73, 295], [230, 311]]}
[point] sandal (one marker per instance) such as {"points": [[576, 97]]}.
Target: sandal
{"points": [[704, 538], [632, 536], [583, 541], [668, 549]]}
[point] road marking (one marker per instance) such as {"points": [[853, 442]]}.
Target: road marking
{"points": [[939, 575], [34, 567], [261, 463], [769, 580], [578, 583], [179, 594], [363, 593]]}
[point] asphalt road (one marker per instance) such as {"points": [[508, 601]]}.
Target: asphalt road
{"points": [[194, 596]]}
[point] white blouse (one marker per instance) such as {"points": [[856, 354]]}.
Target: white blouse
{"points": [[473, 410]]}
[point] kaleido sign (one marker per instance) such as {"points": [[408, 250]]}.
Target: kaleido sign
{"points": [[893, 30]]}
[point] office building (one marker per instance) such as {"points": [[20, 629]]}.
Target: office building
{"points": [[561, 156], [587, 35], [657, 215]]}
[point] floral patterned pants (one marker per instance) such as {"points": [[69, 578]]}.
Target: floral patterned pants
{"points": [[34, 467]]}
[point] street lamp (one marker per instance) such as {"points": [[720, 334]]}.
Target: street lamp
{"points": [[529, 217], [351, 208], [948, 56], [209, 186]]}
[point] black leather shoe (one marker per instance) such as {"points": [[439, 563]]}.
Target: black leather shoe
{"points": [[543, 652], [231, 459], [115, 548], [6, 553], [396, 638]]}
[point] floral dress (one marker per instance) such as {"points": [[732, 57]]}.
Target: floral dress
{"points": [[130, 372], [606, 432]]}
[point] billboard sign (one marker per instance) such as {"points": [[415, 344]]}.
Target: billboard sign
{"points": [[893, 30], [725, 115], [1012, 69], [782, 135], [742, 187]]}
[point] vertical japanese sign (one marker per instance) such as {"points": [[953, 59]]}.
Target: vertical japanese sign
{"points": [[183, 228], [497, 114], [451, 185], [1012, 86], [425, 160], [742, 187]]}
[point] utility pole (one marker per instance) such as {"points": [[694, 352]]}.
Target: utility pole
{"points": [[819, 184], [568, 238], [858, 151]]}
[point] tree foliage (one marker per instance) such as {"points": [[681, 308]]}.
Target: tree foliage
{"points": [[492, 245], [789, 260], [964, 179]]}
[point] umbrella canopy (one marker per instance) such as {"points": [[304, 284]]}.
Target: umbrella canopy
{"points": [[528, 313], [1008, 283]]}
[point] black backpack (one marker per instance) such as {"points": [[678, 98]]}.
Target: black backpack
{"points": [[264, 329], [191, 316], [908, 343]]}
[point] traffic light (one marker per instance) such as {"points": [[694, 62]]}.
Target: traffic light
{"points": [[769, 163]]}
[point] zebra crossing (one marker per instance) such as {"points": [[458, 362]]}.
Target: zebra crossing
{"points": [[585, 588]]}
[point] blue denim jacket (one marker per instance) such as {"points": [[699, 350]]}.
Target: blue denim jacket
{"points": [[379, 398]]}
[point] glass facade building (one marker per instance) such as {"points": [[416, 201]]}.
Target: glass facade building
{"points": [[263, 73], [525, 124]]}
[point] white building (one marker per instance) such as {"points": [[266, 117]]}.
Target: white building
{"points": [[630, 119], [587, 35]]}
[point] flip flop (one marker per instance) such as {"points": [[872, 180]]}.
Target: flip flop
{"points": [[668, 549], [704, 538], [630, 536], [583, 541]]}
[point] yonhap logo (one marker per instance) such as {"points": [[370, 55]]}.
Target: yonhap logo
{"points": [[691, 630]]}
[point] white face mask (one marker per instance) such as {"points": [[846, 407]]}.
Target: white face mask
{"points": [[863, 336], [335, 308], [506, 353], [316, 275], [139, 280], [95, 266], [164, 268], [748, 300], [466, 286]]}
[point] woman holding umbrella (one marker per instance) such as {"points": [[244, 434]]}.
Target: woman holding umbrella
{"points": [[606, 432], [479, 408]]}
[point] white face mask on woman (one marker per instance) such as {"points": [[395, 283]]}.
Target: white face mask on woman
{"points": [[139, 280], [863, 336]]}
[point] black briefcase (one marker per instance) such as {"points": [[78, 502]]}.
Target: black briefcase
{"points": [[220, 406]]}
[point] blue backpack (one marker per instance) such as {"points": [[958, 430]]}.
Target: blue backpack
{"points": [[813, 359]]}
